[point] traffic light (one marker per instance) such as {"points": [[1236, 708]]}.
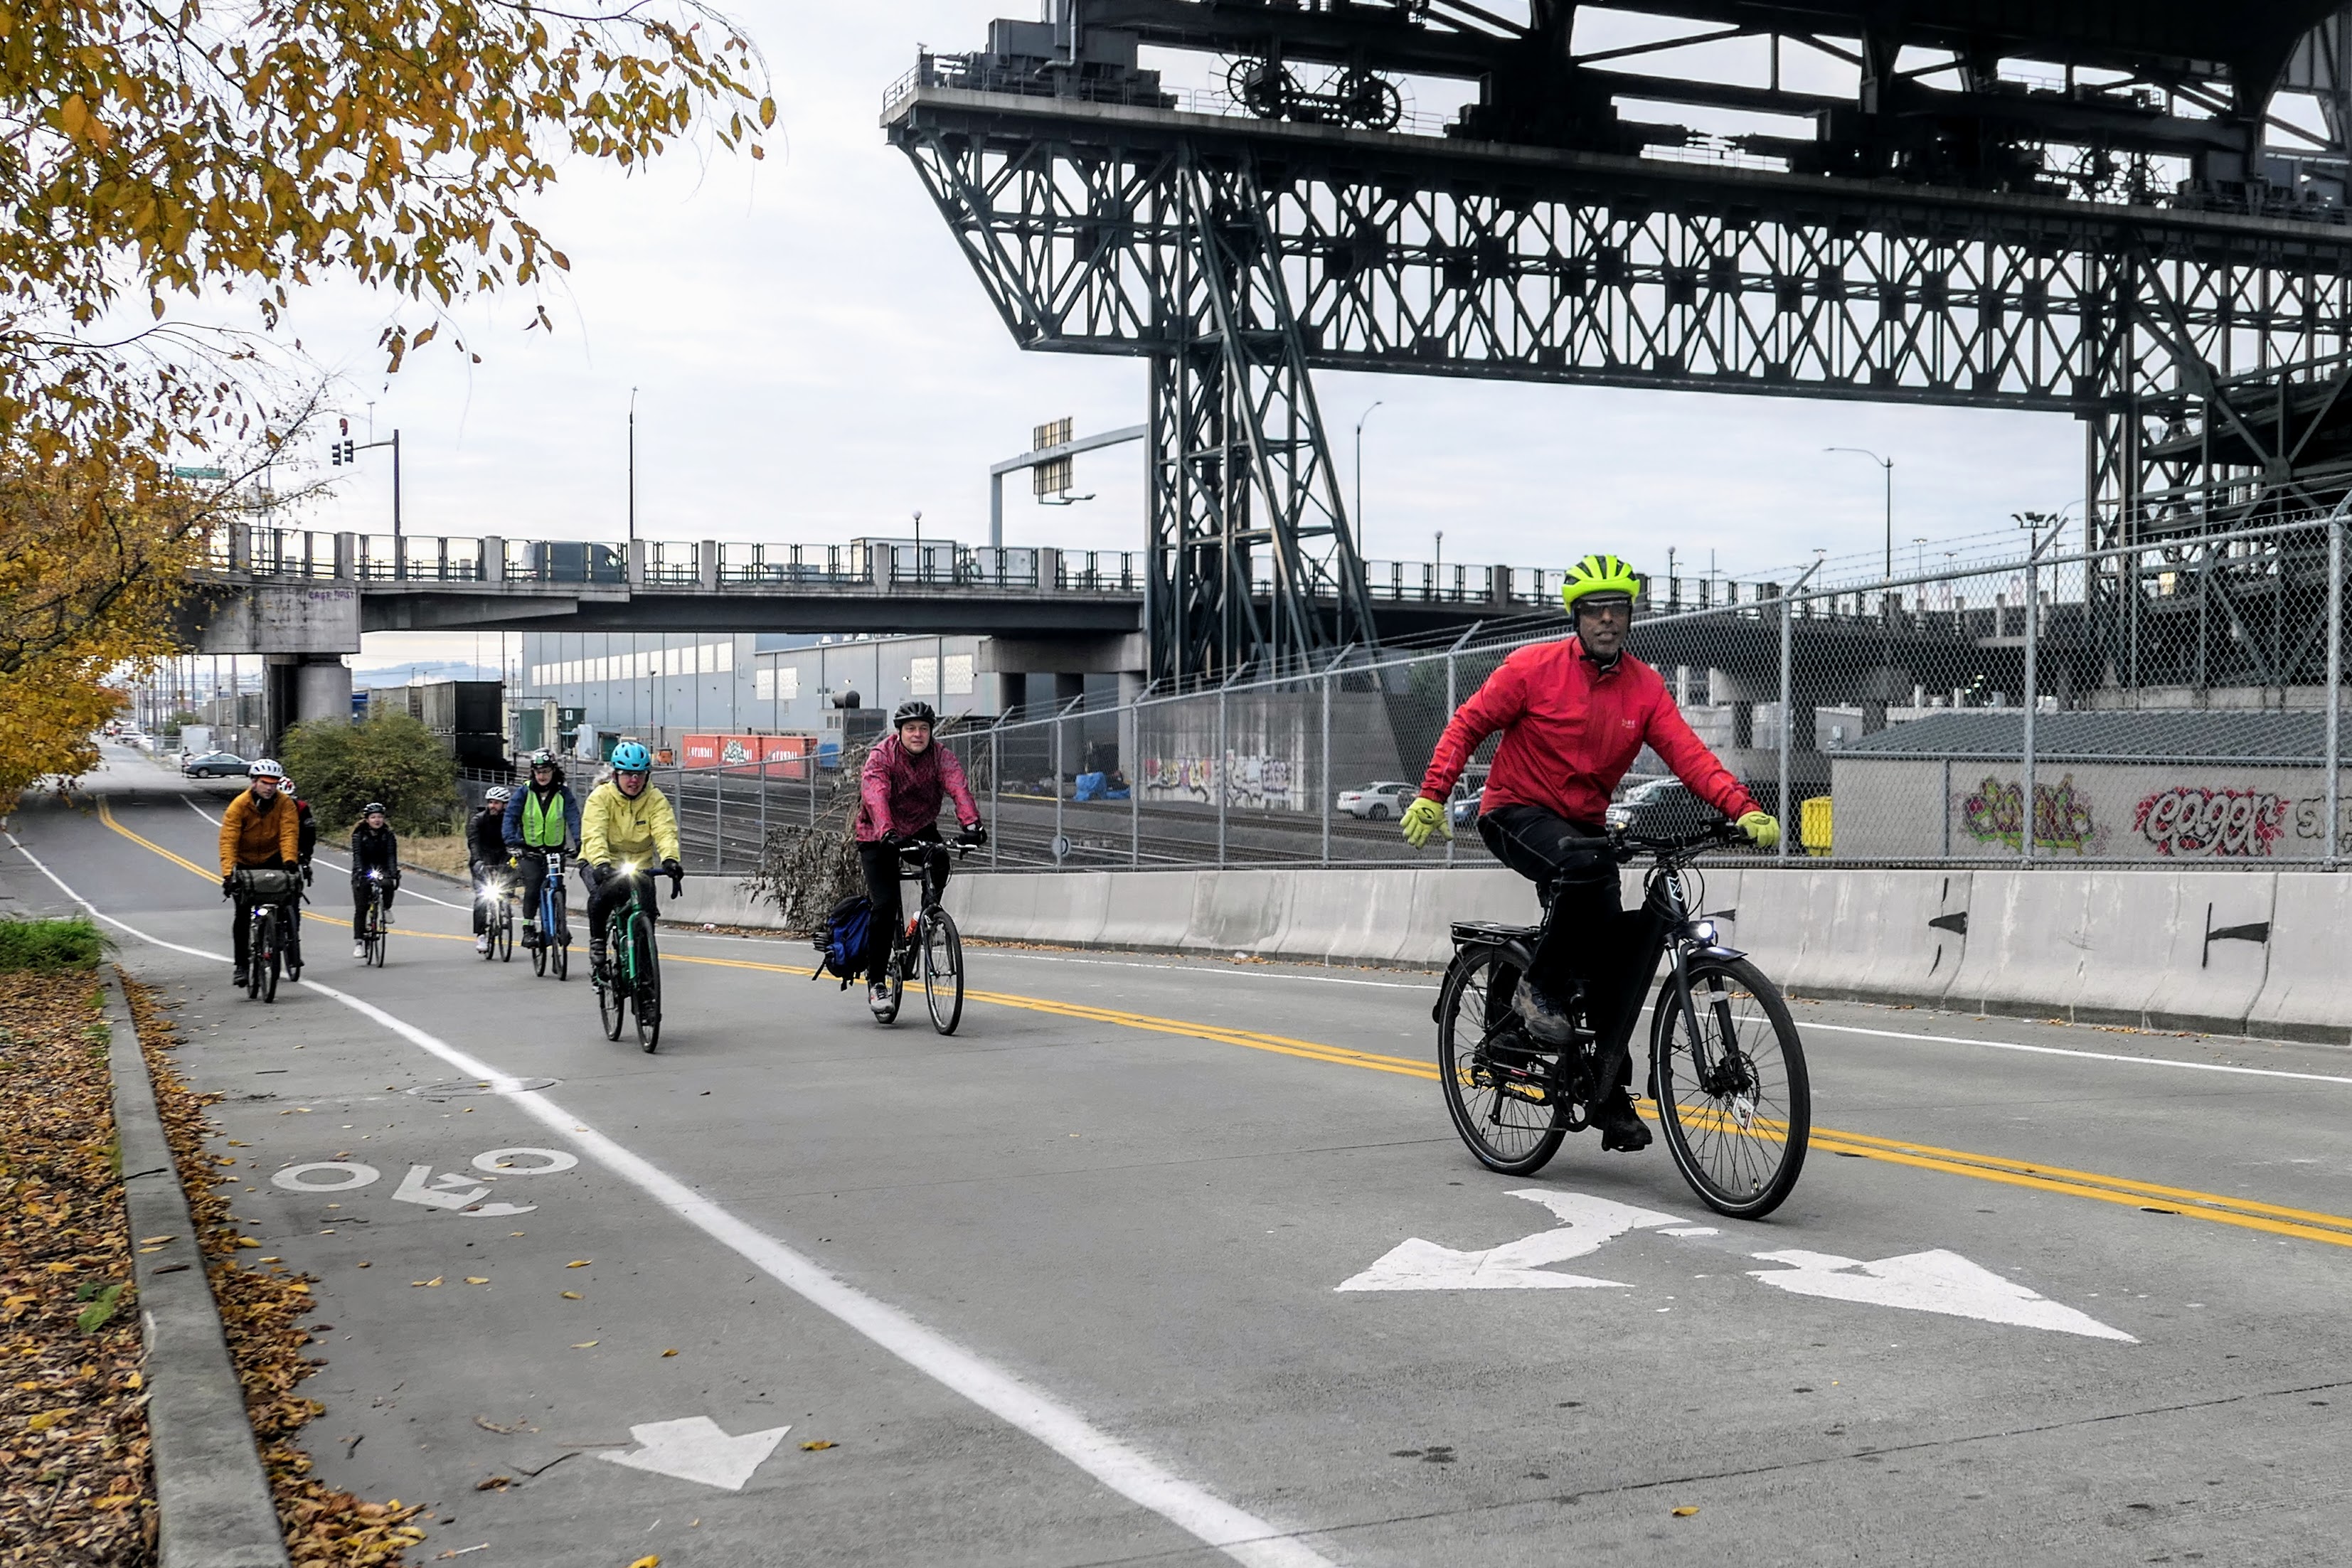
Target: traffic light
{"points": [[342, 452]]}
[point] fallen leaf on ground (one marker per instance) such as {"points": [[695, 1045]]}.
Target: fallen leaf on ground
{"points": [[648, 1560], [1685, 1512], [669, 1353], [571, 1295], [494, 1483], [585, 1345], [815, 1444], [580, 1262], [477, 1279], [247, 1241]]}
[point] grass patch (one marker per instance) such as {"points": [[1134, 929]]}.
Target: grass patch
{"points": [[49, 946], [444, 855]]}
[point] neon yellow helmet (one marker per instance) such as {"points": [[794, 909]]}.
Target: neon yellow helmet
{"points": [[1598, 574]]}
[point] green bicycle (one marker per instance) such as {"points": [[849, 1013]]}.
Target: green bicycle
{"points": [[630, 980]]}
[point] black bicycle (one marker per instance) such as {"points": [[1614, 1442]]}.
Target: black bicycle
{"points": [[495, 891], [1726, 1067], [374, 930], [553, 948], [630, 981], [928, 945], [271, 899]]}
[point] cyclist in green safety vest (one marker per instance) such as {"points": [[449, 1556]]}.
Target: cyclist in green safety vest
{"points": [[543, 815]]}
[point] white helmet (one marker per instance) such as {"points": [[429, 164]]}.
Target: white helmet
{"points": [[265, 768], [500, 795]]}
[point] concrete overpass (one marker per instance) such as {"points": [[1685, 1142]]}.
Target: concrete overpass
{"points": [[304, 598]]}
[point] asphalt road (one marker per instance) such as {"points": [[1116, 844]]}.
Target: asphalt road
{"points": [[1065, 1288]]}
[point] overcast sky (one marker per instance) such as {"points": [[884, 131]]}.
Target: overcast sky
{"points": [[813, 360]]}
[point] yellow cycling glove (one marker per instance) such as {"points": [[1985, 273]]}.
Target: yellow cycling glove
{"points": [[1423, 818], [1761, 829]]}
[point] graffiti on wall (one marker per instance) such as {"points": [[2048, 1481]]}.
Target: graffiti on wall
{"points": [[2312, 810], [1254, 781], [2187, 821], [1995, 813]]}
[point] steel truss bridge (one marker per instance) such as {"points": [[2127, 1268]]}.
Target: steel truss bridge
{"points": [[2151, 244]]}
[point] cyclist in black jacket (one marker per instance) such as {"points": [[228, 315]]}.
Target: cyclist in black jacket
{"points": [[374, 847], [486, 858]]}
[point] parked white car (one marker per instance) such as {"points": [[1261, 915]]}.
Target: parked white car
{"points": [[1376, 802]]}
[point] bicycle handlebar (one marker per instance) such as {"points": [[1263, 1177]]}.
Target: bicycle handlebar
{"points": [[1625, 846]]}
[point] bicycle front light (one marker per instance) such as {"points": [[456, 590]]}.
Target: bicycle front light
{"points": [[1703, 930]]}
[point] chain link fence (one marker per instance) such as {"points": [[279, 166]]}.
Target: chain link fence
{"points": [[2168, 699]]}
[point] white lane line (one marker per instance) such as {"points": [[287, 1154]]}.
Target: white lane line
{"points": [[2084, 1055], [412, 892], [1239, 1534]]}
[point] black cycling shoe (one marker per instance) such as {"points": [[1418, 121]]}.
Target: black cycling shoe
{"points": [[236, 978], [1621, 1128]]}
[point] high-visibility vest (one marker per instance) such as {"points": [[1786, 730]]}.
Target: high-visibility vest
{"points": [[543, 827]]}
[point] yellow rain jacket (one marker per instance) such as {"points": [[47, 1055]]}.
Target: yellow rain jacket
{"points": [[613, 827]]}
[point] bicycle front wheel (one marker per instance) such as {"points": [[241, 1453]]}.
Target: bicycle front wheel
{"points": [[611, 1006], [267, 968], [1503, 1100], [1733, 1099], [942, 970], [505, 941], [644, 989], [539, 950]]}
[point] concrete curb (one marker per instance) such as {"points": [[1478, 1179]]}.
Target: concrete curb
{"points": [[213, 1500]]}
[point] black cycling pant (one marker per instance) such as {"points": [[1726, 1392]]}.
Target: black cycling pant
{"points": [[879, 864], [611, 891], [532, 866], [360, 886], [1587, 936]]}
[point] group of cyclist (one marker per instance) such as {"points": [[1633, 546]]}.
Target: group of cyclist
{"points": [[625, 832], [1574, 713]]}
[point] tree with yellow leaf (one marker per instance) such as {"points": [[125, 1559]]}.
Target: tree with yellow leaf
{"points": [[153, 152]]}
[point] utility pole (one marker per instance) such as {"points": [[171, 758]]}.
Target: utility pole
{"points": [[1886, 464], [343, 452], [633, 472], [1359, 479]]}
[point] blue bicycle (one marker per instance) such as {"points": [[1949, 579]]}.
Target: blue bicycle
{"points": [[553, 950]]}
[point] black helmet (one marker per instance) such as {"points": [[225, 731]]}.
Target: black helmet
{"points": [[915, 711]]}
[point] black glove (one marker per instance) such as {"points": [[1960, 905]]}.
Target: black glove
{"points": [[306, 876], [596, 872], [975, 835], [228, 886], [676, 875], [896, 840]]}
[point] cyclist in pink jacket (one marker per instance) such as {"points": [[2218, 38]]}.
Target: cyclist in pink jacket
{"points": [[900, 789]]}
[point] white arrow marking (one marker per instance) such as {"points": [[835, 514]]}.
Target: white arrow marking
{"points": [[698, 1449], [1935, 1281], [1587, 1224], [414, 1190]]}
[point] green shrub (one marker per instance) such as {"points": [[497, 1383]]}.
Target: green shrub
{"points": [[49, 945], [342, 767]]}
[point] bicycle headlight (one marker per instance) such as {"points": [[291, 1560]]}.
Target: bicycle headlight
{"points": [[1705, 931], [629, 868]]}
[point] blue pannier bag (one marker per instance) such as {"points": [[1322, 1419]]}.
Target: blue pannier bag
{"points": [[841, 946]]}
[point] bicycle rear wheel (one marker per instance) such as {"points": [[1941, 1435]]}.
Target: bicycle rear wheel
{"points": [[645, 989], [504, 939], [1738, 1125], [942, 969], [292, 943], [561, 960], [1495, 1082]]}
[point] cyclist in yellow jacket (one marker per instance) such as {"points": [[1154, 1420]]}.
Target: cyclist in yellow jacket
{"points": [[625, 829]]}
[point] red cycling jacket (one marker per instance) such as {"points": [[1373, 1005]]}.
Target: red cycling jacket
{"points": [[1570, 730], [900, 791]]}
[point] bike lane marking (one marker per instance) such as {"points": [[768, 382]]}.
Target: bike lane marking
{"points": [[2305, 1225], [1936, 1281], [1240, 1535]]}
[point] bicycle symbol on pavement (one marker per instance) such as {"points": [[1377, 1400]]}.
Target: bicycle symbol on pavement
{"points": [[453, 1190]]}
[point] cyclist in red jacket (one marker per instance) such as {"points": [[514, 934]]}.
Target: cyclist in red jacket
{"points": [[1574, 714]]}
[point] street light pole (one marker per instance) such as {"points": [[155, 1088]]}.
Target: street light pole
{"points": [[1888, 465], [1359, 479], [633, 472]]}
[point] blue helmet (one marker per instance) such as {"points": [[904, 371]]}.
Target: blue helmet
{"points": [[631, 758]]}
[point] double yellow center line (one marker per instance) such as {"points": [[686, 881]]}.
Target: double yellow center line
{"points": [[2248, 1214]]}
